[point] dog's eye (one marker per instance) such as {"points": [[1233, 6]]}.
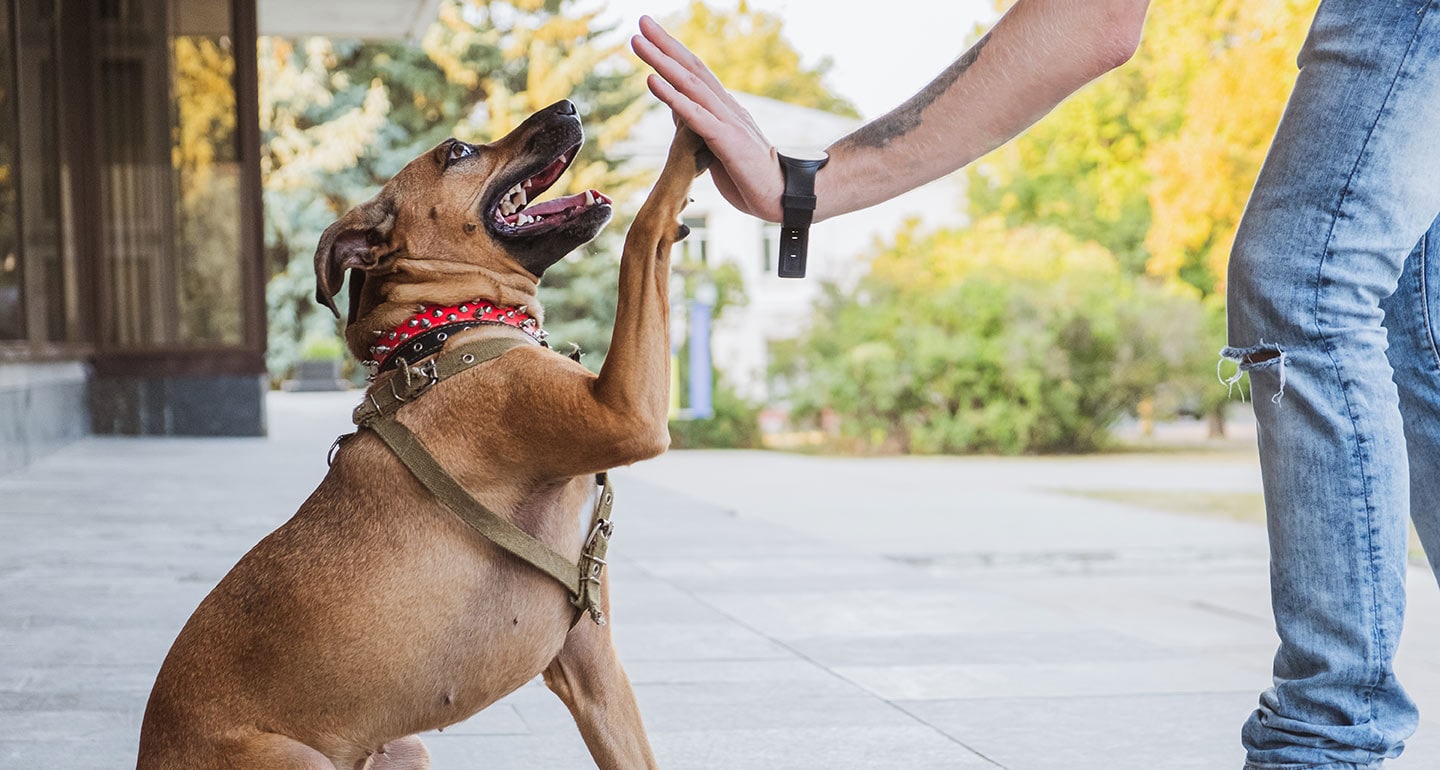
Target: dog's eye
{"points": [[459, 150]]}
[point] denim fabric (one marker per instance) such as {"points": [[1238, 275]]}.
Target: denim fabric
{"points": [[1332, 305]]}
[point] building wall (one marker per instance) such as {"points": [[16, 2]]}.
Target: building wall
{"points": [[131, 273], [42, 408]]}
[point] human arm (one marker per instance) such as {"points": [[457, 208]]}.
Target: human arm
{"points": [[1037, 54]]}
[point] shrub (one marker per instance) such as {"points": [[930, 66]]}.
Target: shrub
{"points": [[991, 340], [735, 425]]}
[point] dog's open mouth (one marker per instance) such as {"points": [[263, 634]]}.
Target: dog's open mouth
{"points": [[515, 215]]}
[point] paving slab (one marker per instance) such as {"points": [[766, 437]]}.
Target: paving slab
{"points": [[773, 611]]}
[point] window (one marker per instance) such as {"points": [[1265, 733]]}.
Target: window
{"points": [[37, 277], [11, 311], [206, 168], [170, 175], [769, 247], [696, 246]]}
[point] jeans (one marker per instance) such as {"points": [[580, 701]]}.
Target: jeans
{"points": [[1334, 298]]}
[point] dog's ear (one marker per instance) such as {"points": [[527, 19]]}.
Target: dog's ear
{"points": [[357, 240]]}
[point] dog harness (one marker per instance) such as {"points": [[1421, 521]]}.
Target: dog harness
{"points": [[377, 413]]}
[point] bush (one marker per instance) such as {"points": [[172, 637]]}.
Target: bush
{"points": [[736, 425], [991, 340]]}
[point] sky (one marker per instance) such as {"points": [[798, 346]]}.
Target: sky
{"points": [[880, 59]]}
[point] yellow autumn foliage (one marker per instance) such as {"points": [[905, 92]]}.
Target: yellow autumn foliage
{"points": [[1201, 176]]}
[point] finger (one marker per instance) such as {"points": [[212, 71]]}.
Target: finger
{"points": [[699, 119], [686, 82], [676, 51]]}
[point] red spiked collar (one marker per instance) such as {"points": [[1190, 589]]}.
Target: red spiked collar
{"points": [[423, 334]]}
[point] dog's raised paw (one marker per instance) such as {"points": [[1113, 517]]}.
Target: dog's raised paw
{"points": [[703, 159]]}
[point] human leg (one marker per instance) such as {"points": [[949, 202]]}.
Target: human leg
{"points": [[1344, 196], [1412, 318]]}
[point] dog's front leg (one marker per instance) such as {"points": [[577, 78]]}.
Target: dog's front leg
{"points": [[581, 423], [589, 679], [635, 380]]}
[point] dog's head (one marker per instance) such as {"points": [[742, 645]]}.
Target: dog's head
{"points": [[457, 223]]}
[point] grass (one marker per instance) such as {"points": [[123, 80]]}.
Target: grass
{"points": [[1236, 506]]}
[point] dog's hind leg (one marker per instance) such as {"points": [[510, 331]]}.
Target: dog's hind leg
{"points": [[407, 753], [588, 677], [244, 751]]}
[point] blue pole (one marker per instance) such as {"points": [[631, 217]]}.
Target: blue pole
{"points": [[701, 375]]}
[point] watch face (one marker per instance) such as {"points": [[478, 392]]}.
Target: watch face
{"points": [[799, 153]]}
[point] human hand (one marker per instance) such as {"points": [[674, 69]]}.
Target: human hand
{"points": [[746, 171]]}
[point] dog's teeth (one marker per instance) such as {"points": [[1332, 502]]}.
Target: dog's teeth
{"points": [[589, 198]]}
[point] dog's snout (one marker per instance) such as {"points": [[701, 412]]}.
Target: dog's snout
{"points": [[564, 107]]}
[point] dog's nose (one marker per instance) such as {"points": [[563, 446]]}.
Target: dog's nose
{"points": [[565, 107]]}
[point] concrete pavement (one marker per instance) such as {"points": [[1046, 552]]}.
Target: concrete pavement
{"points": [[773, 611]]}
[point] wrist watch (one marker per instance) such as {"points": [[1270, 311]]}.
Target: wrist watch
{"points": [[798, 203]]}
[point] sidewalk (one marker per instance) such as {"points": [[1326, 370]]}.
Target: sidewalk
{"points": [[773, 611]]}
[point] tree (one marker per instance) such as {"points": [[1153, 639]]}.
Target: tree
{"points": [[1202, 174], [340, 117], [1155, 161], [1083, 168], [747, 50]]}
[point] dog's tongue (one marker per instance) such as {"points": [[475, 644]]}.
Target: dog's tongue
{"points": [[555, 205], [563, 205]]}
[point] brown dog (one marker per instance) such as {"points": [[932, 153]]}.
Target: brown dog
{"points": [[376, 613]]}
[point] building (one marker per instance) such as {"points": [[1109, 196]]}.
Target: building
{"points": [[131, 270], [779, 309]]}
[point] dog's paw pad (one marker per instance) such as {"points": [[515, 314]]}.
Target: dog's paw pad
{"points": [[703, 159]]}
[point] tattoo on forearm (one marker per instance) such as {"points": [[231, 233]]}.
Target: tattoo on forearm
{"points": [[903, 119]]}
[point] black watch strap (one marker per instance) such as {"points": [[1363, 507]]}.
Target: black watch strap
{"points": [[798, 203]]}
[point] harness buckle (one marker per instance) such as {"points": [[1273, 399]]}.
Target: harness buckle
{"points": [[592, 564], [418, 379]]}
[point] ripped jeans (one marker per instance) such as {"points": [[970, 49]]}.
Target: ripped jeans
{"points": [[1334, 299]]}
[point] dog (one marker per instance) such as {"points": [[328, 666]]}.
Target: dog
{"points": [[376, 612]]}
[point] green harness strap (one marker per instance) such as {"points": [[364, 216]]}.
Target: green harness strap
{"points": [[377, 413]]}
